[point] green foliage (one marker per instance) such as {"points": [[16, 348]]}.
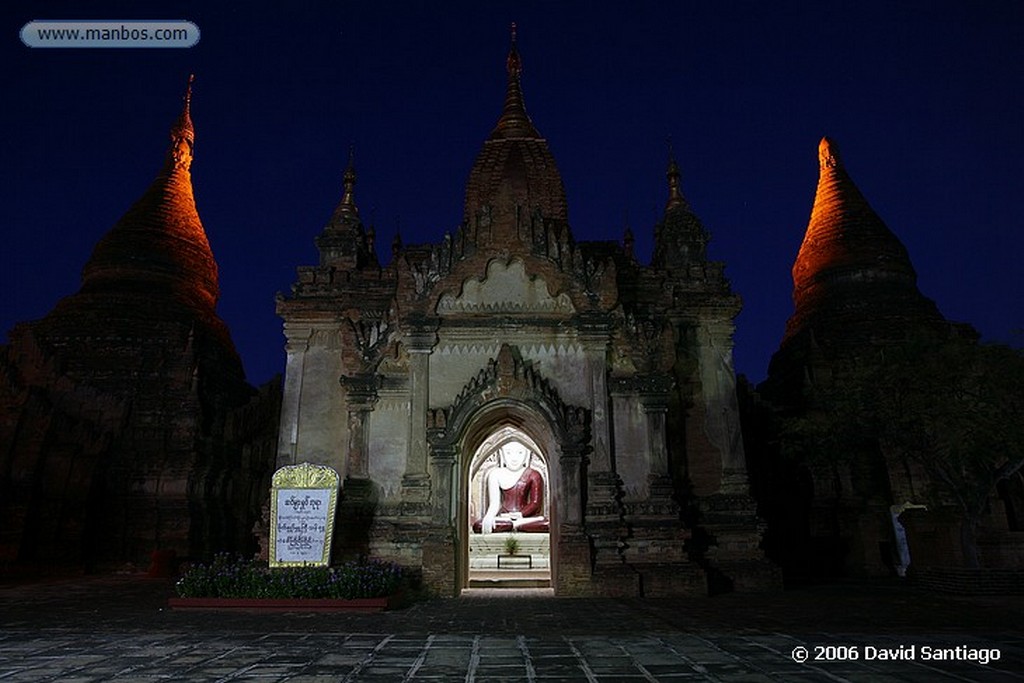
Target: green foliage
{"points": [[950, 405], [955, 408], [232, 577], [511, 545]]}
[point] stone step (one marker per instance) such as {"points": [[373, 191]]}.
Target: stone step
{"points": [[519, 561], [509, 583]]}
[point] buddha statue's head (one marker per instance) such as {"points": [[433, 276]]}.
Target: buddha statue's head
{"points": [[514, 455]]}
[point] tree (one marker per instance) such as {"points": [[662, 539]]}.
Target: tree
{"points": [[951, 405]]}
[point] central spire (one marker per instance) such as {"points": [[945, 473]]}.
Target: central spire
{"points": [[345, 242], [680, 238], [675, 192], [514, 121], [514, 185], [348, 184]]}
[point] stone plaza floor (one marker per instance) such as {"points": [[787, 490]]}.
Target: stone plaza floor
{"points": [[118, 628]]}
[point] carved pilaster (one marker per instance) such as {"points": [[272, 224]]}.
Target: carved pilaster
{"points": [[654, 403], [654, 397], [659, 482], [570, 464], [603, 485], [595, 336], [419, 341], [442, 465], [718, 380], [296, 345], [651, 392], [361, 392]]}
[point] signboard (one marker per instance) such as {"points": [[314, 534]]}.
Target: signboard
{"points": [[303, 499]]}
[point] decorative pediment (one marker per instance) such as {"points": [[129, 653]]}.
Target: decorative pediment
{"points": [[508, 377], [506, 288]]}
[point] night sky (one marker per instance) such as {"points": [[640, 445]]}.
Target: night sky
{"points": [[925, 99]]}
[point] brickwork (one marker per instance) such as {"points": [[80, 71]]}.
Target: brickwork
{"points": [[964, 581], [439, 567]]}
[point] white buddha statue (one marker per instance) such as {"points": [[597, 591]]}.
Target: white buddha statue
{"points": [[515, 494]]}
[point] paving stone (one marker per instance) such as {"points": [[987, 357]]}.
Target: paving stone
{"points": [[114, 630]]}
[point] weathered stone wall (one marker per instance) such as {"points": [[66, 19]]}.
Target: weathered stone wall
{"points": [[389, 444], [53, 439], [145, 444], [631, 446], [313, 398]]}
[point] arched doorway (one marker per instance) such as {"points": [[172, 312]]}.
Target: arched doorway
{"points": [[509, 397], [509, 512]]}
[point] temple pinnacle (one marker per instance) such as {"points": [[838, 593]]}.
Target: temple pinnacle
{"points": [[514, 121], [513, 63], [182, 128], [828, 154], [349, 182], [183, 135], [675, 194]]}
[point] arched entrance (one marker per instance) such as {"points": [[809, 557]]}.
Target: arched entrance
{"points": [[509, 512], [508, 401]]}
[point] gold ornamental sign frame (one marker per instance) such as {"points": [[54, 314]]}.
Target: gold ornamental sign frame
{"points": [[303, 501]]}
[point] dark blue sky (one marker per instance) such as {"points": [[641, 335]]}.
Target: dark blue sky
{"points": [[925, 99]]}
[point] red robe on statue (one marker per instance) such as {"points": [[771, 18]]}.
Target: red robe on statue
{"points": [[526, 497]]}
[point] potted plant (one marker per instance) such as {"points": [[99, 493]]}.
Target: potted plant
{"points": [[511, 544]]}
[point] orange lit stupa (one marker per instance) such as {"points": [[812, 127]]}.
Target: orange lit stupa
{"points": [[855, 294], [853, 283], [121, 398]]}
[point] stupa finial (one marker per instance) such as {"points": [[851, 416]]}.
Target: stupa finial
{"points": [[514, 63], [183, 135], [828, 154], [348, 181], [675, 193]]}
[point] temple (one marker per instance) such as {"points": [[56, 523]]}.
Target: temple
{"points": [[510, 405], [408, 378], [125, 409]]}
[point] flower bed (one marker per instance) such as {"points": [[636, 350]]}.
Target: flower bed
{"points": [[284, 604], [232, 583]]}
